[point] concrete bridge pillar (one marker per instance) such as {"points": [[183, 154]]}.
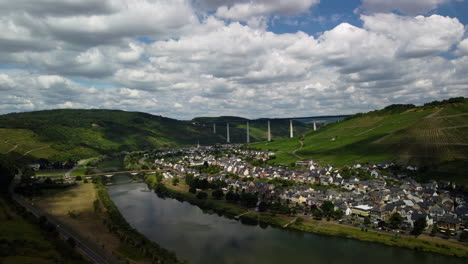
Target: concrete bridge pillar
{"points": [[214, 128], [315, 125], [269, 131], [248, 133], [228, 140], [291, 132]]}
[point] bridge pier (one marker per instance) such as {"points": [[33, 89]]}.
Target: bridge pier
{"points": [[269, 132], [214, 128], [315, 125], [228, 140], [248, 133], [291, 132]]}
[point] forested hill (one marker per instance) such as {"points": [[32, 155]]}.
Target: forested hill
{"points": [[433, 137], [76, 133], [73, 133]]}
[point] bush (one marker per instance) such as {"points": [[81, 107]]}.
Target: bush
{"points": [[202, 195], [175, 181], [193, 189], [48, 181], [218, 194]]}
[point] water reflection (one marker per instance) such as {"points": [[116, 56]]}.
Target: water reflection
{"points": [[209, 238]]}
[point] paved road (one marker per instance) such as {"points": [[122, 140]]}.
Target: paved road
{"points": [[85, 247]]}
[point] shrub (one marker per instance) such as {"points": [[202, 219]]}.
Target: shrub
{"points": [[202, 195]]}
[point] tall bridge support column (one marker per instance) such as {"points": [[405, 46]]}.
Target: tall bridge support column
{"points": [[228, 140], [315, 125], [214, 128], [291, 132], [248, 133], [269, 132]]}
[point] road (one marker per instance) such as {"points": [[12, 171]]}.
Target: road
{"points": [[294, 152], [66, 232], [27, 152], [68, 173]]}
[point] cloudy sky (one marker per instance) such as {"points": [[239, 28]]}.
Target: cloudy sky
{"points": [[251, 58]]}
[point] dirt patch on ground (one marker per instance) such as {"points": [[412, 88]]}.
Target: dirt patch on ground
{"points": [[74, 207]]}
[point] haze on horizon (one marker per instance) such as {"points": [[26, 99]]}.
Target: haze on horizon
{"points": [[264, 58]]}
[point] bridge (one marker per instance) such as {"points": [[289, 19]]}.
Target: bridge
{"points": [[314, 119]]}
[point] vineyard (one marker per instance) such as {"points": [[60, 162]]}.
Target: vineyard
{"points": [[433, 137]]}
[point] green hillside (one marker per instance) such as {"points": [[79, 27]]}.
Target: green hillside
{"points": [[23, 238], [434, 136], [75, 134]]}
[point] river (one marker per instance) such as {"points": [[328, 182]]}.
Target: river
{"points": [[208, 238]]}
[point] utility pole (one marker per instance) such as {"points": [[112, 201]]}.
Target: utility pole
{"points": [[248, 133], [269, 132], [291, 133], [228, 140]]}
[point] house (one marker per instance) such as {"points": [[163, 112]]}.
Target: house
{"points": [[448, 223], [362, 210], [415, 216], [436, 211], [378, 213], [35, 166]]}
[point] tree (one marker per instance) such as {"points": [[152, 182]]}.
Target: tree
{"points": [[328, 208], [418, 226], [317, 213], [262, 207], [160, 189], [338, 214], [248, 199], [175, 181], [189, 179], [48, 181], [192, 189], [232, 196], [367, 220], [217, 194], [434, 230], [202, 195], [395, 220], [159, 177]]}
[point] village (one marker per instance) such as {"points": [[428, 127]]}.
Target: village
{"points": [[373, 197]]}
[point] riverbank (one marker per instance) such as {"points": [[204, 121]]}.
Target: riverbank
{"points": [[87, 209], [222, 207]]}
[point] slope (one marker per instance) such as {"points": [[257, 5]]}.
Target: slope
{"points": [[76, 134], [433, 136]]}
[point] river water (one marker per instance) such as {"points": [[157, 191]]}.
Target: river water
{"points": [[208, 238]]}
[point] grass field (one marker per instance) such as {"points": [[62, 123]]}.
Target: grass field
{"points": [[23, 242], [74, 207], [435, 137]]}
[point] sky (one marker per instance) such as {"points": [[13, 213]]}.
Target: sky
{"points": [[263, 58]]}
